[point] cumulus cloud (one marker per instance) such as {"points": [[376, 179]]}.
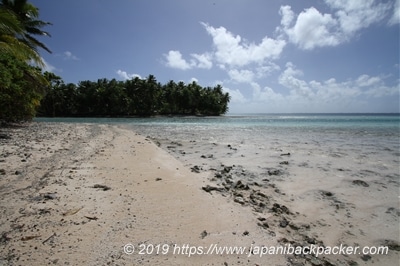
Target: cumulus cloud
{"points": [[313, 29], [125, 75], [332, 91], [69, 56], [203, 60], [175, 60], [246, 76], [231, 50]]}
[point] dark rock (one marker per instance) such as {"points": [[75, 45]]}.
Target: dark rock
{"points": [[227, 169], [239, 200], [196, 169], [366, 257], [18, 172], [246, 233], [218, 175], [262, 194], [392, 245], [264, 225], [284, 162], [327, 193], [283, 223], [158, 179], [280, 208], [352, 263], [4, 136], [102, 187], [209, 188], [203, 234], [2, 172], [240, 185], [49, 196], [360, 183], [285, 154], [275, 172]]}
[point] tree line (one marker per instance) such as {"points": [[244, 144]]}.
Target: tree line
{"points": [[134, 97], [25, 91]]}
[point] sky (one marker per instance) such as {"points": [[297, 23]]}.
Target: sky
{"points": [[271, 56]]}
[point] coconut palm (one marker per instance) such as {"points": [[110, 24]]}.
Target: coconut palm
{"points": [[10, 28], [28, 26]]}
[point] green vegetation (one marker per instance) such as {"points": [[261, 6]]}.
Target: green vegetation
{"points": [[21, 84], [19, 23], [135, 97], [21, 89], [26, 90]]}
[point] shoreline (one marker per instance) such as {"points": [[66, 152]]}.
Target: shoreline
{"points": [[81, 194], [77, 193]]}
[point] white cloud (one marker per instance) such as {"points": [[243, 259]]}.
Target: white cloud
{"points": [[313, 29], [48, 67], [395, 19], [333, 92], [204, 60], [125, 75], [246, 76], [357, 14], [175, 60], [69, 56], [236, 95], [362, 94], [365, 81], [233, 51], [266, 95]]}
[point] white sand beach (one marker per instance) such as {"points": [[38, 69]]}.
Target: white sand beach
{"points": [[76, 194]]}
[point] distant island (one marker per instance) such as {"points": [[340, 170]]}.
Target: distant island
{"points": [[134, 97], [26, 91]]}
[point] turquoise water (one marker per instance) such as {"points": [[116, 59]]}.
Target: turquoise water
{"points": [[374, 129], [386, 124]]}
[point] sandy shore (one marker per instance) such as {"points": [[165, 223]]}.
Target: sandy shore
{"points": [[76, 194], [328, 189]]}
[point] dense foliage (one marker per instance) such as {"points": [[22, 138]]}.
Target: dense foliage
{"points": [[142, 97], [21, 89], [21, 84]]}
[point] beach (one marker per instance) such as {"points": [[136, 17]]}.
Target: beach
{"points": [[99, 194]]}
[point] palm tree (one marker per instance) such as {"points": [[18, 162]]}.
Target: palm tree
{"points": [[28, 25], [10, 28]]}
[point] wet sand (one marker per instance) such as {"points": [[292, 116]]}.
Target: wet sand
{"points": [[328, 192], [75, 194]]}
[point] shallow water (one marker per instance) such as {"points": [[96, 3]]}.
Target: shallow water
{"points": [[362, 133]]}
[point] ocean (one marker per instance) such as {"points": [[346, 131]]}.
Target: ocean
{"points": [[373, 136]]}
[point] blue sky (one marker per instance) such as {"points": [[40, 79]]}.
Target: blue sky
{"points": [[271, 56]]}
